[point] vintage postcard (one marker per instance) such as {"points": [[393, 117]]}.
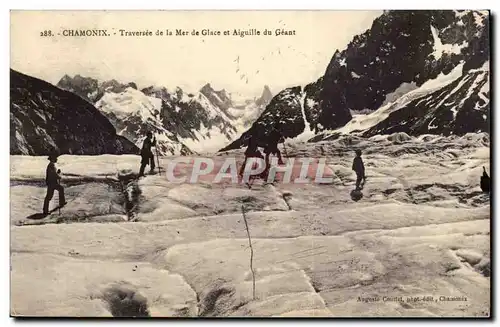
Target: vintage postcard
{"points": [[181, 164]]}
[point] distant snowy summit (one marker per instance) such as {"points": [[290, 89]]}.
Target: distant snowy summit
{"points": [[184, 123], [417, 72], [246, 113], [89, 88]]}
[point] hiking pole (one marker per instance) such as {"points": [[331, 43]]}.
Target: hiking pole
{"points": [[157, 157], [58, 194]]}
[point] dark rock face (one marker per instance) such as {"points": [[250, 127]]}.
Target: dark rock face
{"points": [[90, 89], [219, 99], [86, 87], [284, 111], [402, 48], [312, 105], [45, 119], [287, 110], [265, 98], [185, 114], [457, 108]]}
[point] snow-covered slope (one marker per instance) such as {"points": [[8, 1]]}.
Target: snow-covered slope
{"points": [[246, 112], [362, 122], [130, 101], [404, 46], [415, 72], [219, 98], [211, 125], [450, 103], [184, 122], [456, 108], [308, 132], [134, 114], [292, 110], [421, 228]]}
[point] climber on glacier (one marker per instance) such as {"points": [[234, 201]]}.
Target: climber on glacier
{"points": [[485, 181], [359, 168], [53, 181], [273, 139], [147, 154], [252, 151]]}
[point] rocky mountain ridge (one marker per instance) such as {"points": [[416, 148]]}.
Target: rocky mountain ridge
{"points": [[401, 48], [45, 119]]}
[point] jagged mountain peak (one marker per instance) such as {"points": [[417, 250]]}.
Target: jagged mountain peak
{"points": [[265, 97], [114, 86], [402, 46], [182, 122], [77, 79], [266, 92], [157, 91], [219, 98], [90, 88], [207, 88], [86, 87], [66, 77], [396, 56]]}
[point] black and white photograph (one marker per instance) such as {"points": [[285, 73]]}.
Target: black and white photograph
{"points": [[250, 163]]}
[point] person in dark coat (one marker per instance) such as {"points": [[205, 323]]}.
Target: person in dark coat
{"points": [[147, 154], [274, 138], [485, 181], [252, 151], [53, 181], [359, 168]]}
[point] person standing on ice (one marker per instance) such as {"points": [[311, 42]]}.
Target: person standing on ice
{"points": [[53, 181], [252, 151], [359, 168], [485, 182], [147, 154], [274, 138]]}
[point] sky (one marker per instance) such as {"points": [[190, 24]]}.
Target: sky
{"points": [[242, 66]]}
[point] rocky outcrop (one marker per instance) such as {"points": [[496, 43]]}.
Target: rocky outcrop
{"points": [[45, 119], [401, 51], [402, 46], [265, 98]]}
